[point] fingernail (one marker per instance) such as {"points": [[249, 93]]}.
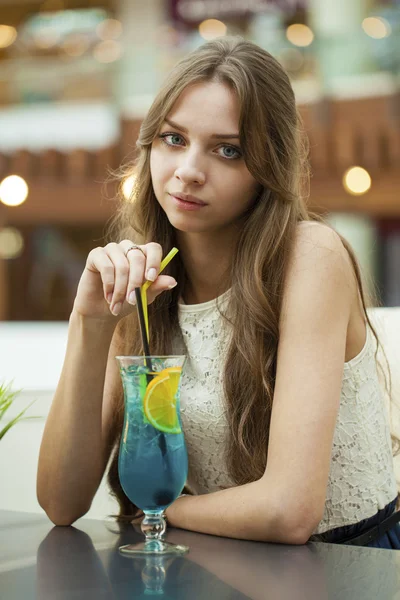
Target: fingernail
{"points": [[172, 285], [109, 298], [132, 298], [116, 308], [151, 274]]}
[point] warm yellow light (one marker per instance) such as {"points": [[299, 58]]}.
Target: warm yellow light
{"points": [[109, 29], [376, 27], [13, 190], [11, 243], [8, 35], [299, 35], [107, 51], [212, 28], [128, 187], [357, 181]]}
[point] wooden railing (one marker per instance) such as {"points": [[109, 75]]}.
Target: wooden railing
{"points": [[70, 187]]}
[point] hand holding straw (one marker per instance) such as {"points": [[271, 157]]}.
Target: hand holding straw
{"points": [[147, 284], [141, 304]]}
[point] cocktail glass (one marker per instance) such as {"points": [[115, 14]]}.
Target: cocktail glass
{"points": [[153, 462]]}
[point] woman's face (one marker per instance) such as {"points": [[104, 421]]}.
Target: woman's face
{"points": [[197, 153]]}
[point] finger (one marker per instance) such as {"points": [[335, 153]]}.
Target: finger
{"points": [[162, 284], [142, 267], [137, 266], [121, 272], [98, 262], [154, 257]]}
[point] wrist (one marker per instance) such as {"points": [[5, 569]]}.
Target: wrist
{"points": [[92, 325], [92, 333]]}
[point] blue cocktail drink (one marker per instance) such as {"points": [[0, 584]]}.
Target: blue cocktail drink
{"points": [[153, 461]]}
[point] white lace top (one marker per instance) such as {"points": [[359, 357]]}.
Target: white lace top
{"points": [[361, 478]]}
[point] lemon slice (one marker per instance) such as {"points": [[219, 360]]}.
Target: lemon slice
{"points": [[159, 402]]}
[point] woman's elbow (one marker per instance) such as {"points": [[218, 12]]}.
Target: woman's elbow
{"points": [[299, 536], [303, 527], [283, 533], [287, 525], [63, 518]]}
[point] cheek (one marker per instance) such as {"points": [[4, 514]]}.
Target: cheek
{"points": [[242, 188], [156, 172], [153, 165], [160, 168]]}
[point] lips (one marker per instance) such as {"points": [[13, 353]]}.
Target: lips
{"points": [[189, 198]]}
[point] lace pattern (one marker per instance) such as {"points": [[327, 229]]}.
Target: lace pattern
{"points": [[203, 413], [361, 478]]}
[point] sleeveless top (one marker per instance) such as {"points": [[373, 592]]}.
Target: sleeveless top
{"points": [[361, 478]]}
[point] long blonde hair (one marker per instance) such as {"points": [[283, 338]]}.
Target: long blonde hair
{"points": [[275, 151]]}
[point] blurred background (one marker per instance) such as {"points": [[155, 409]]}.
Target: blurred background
{"points": [[77, 77]]}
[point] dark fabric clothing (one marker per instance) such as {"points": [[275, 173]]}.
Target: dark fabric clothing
{"points": [[342, 535]]}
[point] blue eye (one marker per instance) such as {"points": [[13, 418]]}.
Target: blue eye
{"points": [[175, 139], [173, 136], [230, 152]]}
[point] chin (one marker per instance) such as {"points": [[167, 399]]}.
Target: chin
{"points": [[186, 227], [184, 223], [188, 223]]}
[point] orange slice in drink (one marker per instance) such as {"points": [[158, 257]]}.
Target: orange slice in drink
{"points": [[159, 401]]}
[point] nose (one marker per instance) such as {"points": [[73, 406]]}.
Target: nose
{"points": [[189, 172]]}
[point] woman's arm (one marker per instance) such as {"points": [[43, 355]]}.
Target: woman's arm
{"points": [[287, 503], [74, 449], [76, 442]]}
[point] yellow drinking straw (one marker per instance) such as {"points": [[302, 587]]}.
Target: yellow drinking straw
{"points": [[147, 284]]}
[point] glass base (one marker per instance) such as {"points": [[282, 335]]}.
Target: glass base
{"points": [[153, 547]]}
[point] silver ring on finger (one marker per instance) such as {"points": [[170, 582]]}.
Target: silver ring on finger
{"points": [[134, 247]]}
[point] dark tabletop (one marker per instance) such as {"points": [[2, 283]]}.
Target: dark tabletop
{"points": [[42, 562]]}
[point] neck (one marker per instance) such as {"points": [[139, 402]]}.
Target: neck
{"points": [[207, 258]]}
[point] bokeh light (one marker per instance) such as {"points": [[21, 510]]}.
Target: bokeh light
{"points": [[13, 190], [376, 27], [299, 35], [212, 28], [75, 44], [8, 35], [107, 51], [356, 181], [128, 187], [109, 29], [11, 243], [291, 59], [46, 37]]}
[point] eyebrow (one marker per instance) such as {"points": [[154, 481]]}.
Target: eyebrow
{"points": [[218, 136]]}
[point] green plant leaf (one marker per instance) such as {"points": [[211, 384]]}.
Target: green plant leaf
{"points": [[19, 417], [7, 397]]}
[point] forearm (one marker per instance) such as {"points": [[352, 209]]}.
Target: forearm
{"points": [[71, 459], [245, 512]]}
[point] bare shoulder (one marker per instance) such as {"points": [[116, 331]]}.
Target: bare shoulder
{"points": [[312, 234], [319, 246], [318, 259]]}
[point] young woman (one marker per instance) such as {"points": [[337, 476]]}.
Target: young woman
{"points": [[283, 413]]}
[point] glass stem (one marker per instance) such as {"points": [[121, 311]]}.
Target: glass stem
{"points": [[153, 526]]}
